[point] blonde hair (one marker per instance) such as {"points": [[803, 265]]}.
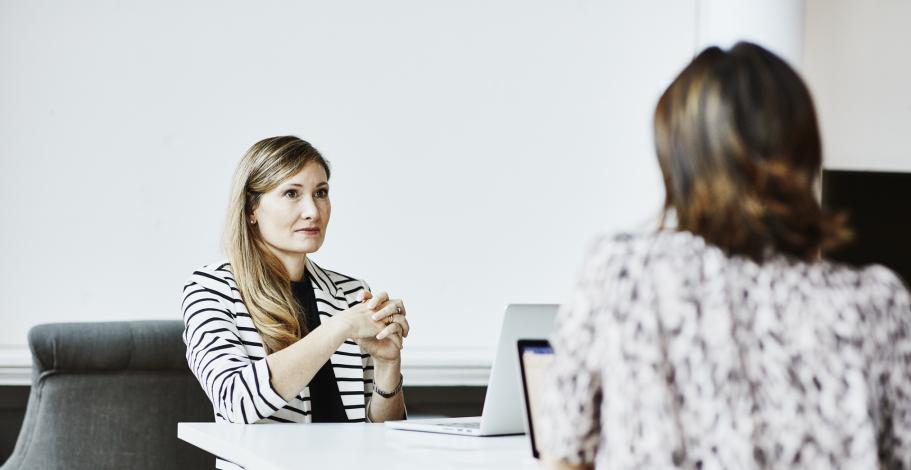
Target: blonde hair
{"points": [[262, 279]]}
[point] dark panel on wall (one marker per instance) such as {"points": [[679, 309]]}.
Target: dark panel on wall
{"points": [[878, 205], [12, 411], [445, 401]]}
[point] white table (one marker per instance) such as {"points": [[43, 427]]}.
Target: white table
{"points": [[345, 446]]}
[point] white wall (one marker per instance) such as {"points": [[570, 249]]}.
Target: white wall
{"points": [[777, 25], [476, 146], [858, 65]]}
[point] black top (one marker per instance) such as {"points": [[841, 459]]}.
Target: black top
{"points": [[325, 400]]}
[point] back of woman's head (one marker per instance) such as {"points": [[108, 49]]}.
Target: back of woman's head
{"points": [[739, 148]]}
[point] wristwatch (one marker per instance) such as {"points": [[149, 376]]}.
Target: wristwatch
{"points": [[385, 394]]}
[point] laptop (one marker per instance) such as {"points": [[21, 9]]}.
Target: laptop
{"points": [[535, 359], [502, 413]]}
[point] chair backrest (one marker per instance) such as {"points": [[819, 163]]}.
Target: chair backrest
{"points": [[110, 395]]}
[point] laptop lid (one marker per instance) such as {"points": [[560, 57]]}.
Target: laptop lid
{"points": [[502, 413], [535, 358]]}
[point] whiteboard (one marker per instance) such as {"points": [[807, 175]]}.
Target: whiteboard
{"points": [[477, 147]]}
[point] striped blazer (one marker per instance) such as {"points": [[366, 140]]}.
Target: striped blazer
{"points": [[225, 351]]}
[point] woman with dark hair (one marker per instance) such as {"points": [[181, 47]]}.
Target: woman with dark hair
{"points": [[727, 342]]}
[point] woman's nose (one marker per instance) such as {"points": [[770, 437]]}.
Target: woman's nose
{"points": [[309, 209]]}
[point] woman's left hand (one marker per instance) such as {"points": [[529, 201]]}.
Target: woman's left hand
{"points": [[388, 343]]}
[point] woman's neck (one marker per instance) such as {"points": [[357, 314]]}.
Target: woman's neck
{"points": [[294, 264]]}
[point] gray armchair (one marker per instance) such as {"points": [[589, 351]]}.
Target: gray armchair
{"points": [[109, 395]]}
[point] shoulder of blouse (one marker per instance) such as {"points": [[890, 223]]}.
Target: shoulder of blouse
{"points": [[622, 246], [215, 276]]}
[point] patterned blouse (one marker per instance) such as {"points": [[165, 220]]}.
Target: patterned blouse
{"points": [[672, 354]]}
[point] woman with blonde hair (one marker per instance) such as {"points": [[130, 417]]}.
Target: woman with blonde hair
{"points": [[272, 336], [727, 342]]}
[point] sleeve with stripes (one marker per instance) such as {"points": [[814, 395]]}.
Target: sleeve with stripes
{"points": [[237, 384]]}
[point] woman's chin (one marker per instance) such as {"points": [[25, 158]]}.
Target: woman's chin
{"points": [[305, 248]]}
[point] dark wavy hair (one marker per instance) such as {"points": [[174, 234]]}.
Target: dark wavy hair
{"points": [[739, 149]]}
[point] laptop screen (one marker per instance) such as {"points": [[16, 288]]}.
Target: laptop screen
{"points": [[535, 358]]}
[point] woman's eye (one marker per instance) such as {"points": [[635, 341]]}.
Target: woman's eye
{"points": [[291, 193], [321, 193]]}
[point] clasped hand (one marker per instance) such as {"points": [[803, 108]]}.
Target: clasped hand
{"points": [[378, 325]]}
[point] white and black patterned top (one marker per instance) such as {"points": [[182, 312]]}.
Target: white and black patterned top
{"points": [[672, 354], [225, 351]]}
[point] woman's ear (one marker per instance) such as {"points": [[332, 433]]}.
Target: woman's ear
{"points": [[251, 217]]}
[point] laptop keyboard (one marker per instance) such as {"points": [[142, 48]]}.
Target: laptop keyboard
{"points": [[469, 424]]}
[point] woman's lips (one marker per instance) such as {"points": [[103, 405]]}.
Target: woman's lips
{"points": [[308, 231]]}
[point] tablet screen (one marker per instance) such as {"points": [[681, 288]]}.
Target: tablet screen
{"points": [[535, 358]]}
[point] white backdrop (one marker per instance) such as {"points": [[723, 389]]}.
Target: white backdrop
{"points": [[476, 146], [856, 63]]}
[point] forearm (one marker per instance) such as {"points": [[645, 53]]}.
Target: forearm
{"points": [[294, 367], [386, 377]]}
